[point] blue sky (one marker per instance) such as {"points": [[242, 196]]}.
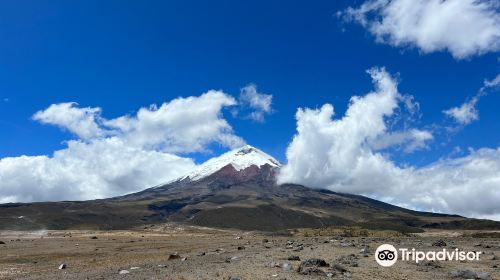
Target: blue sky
{"points": [[124, 55]]}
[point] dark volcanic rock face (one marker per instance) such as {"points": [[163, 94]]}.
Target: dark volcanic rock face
{"points": [[264, 175]]}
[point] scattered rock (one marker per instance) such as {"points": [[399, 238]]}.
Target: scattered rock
{"points": [[183, 259], [339, 268], [316, 262], [274, 264], [483, 276], [294, 258], [350, 260], [311, 271], [312, 267], [62, 266], [241, 248], [265, 240], [439, 243], [469, 274], [93, 237], [124, 271], [1, 242], [174, 256], [299, 248], [134, 267], [232, 259], [365, 251], [286, 266], [430, 263]]}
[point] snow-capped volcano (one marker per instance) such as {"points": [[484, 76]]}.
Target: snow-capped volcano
{"points": [[240, 159]]}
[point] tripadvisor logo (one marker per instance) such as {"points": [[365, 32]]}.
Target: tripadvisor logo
{"points": [[387, 255]]}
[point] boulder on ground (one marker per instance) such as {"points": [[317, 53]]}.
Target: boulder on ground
{"points": [[439, 243], [174, 256], [312, 267], [294, 258]]}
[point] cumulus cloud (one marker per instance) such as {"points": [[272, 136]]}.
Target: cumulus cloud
{"points": [[344, 155], [467, 112], [260, 103], [181, 125], [408, 141], [467, 185], [101, 168], [83, 122], [464, 28], [121, 155]]}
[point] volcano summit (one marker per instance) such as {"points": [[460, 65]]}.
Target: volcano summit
{"points": [[235, 190]]}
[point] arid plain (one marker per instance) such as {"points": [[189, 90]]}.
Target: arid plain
{"points": [[173, 251]]}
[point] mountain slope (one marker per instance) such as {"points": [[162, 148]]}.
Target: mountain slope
{"points": [[235, 190]]}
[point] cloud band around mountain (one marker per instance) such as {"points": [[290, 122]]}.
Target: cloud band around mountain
{"points": [[339, 155]]}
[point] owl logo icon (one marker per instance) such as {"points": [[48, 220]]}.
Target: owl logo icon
{"points": [[386, 255]]}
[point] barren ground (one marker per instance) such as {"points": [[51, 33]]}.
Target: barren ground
{"points": [[214, 254]]}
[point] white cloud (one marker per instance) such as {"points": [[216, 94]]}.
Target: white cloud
{"points": [[464, 114], [342, 155], [495, 82], [118, 156], [462, 27], [181, 125], [98, 169], [409, 141], [467, 112], [259, 102], [466, 185], [81, 121]]}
